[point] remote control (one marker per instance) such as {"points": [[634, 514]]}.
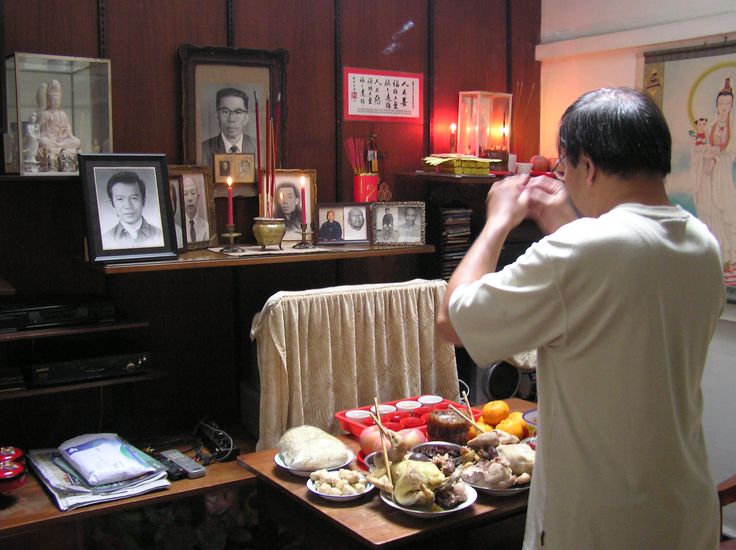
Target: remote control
{"points": [[174, 472], [192, 468]]}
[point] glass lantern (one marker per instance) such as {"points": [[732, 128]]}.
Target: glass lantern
{"points": [[484, 123], [57, 107]]}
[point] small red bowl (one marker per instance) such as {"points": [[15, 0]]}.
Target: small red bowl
{"points": [[411, 422], [421, 411], [394, 426], [425, 418], [441, 406]]}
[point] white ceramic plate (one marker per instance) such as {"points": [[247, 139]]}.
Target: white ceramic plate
{"points": [[305, 473], [339, 498], [515, 490], [470, 492]]}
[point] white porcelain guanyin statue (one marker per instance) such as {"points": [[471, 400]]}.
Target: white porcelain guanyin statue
{"points": [[55, 128]]}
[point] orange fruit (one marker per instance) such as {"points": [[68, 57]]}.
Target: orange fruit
{"points": [[513, 427], [472, 432], [516, 415], [495, 411]]}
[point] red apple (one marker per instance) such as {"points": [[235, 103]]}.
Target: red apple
{"points": [[539, 163]]}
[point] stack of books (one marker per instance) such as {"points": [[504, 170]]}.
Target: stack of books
{"points": [[71, 489], [455, 238]]}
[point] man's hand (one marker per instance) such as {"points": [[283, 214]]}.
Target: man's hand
{"points": [[507, 203], [549, 204]]}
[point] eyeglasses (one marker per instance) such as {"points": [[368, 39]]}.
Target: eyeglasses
{"points": [[559, 169], [237, 113]]}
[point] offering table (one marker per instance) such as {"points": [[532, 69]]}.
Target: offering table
{"points": [[285, 501]]}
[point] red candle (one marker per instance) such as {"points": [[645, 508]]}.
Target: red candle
{"points": [[304, 205], [230, 201], [258, 145]]}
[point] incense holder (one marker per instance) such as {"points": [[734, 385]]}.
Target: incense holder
{"points": [[269, 231]]}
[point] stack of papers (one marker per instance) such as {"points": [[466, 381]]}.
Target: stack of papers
{"points": [[71, 490]]}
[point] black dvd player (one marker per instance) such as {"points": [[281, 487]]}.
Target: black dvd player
{"points": [[87, 368], [30, 316]]}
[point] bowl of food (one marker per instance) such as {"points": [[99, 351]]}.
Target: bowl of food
{"points": [[341, 485], [530, 417]]}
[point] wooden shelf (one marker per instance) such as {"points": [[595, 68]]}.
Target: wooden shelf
{"points": [[14, 178], [130, 379], [207, 259], [71, 330], [423, 176], [29, 507]]}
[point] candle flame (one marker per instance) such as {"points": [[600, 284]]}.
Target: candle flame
{"points": [[229, 181], [453, 128], [302, 180]]}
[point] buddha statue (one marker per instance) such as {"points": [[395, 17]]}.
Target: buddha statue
{"points": [[55, 129]]}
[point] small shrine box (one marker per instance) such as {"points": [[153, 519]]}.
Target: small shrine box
{"points": [[57, 107], [483, 122]]}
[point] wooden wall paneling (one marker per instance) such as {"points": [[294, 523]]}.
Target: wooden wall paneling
{"points": [[470, 54], [526, 20], [143, 42], [367, 29], [305, 29], [57, 28]]}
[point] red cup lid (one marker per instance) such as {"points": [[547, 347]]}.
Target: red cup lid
{"points": [[10, 470], [10, 453]]}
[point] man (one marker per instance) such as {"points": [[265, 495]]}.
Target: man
{"points": [[410, 230], [330, 230], [127, 194], [288, 206], [231, 112], [356, 220], [621, 304], [196, 222], [387, 225]]}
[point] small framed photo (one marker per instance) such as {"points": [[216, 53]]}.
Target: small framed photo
{"points": [[345, 223], [294, 198], [177, 209], [197, 219], [398, 223], [240, 167], [128, 206]]}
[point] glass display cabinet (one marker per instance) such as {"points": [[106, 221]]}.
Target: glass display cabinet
{"points": [[483, 122]]}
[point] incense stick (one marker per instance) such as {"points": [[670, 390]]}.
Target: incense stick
{"points": [[383, 445]]}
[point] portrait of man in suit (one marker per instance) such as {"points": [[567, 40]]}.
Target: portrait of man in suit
{"points": [[231, 114]]}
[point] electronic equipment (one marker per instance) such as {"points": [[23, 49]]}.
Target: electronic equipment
{"points": [[86, 368], [192, 468], [31, 316], [174, 472], [219, 443], [501, 380]]}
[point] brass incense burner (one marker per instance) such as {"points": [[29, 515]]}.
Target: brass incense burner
{"points": [[269, 231]]}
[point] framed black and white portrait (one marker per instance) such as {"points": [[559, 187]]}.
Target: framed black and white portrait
{"points": [[345, 223], [292, 195], [198, 220], [128, 205], [398, 223], [225, 92]]}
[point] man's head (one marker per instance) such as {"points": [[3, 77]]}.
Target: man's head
{"points": [[127, 194], [410, 216], [621, 130], [191, 196], [355, 218], [288, 197], [232, 112], [388, 210], [330, 216]]}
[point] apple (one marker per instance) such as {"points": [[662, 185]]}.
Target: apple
{"points": [[540, 163]]}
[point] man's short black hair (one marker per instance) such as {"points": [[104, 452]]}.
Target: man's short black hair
{"points": [[621, 129], [129, 178], [231, 92]]}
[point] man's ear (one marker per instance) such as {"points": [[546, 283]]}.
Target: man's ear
{"points": [[591, 170]]}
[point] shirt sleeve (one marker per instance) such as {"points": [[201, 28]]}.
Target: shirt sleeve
{"points": [[516, 309]]}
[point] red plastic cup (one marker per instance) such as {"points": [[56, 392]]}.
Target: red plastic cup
{"points": [[393, 426], [411, 422], [441, 406], [425, 418]]}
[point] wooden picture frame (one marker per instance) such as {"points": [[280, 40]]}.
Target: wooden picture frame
{"points": [[352, 219], [398, 223], [259, 75], [198, 205], [128, 210], [177, 210], [238, 166], [287, 195]]}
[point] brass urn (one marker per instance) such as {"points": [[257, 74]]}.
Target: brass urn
{"points": [[269, 231]]}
